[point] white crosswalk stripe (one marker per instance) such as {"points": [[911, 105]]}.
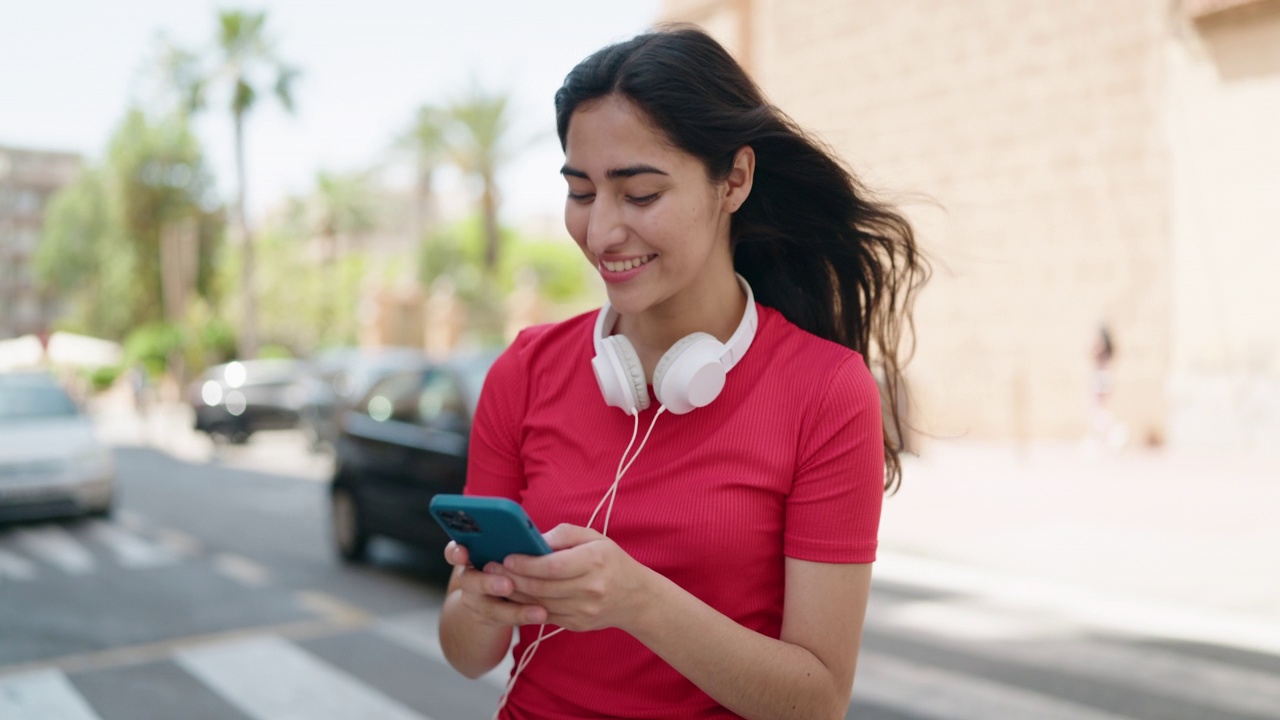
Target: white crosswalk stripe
{"points": [[56, 546], [68, 549], [935, 693], [42, 695], [130, 550], [1053, 646], [15, 567], [268, 678], [419, 632]]}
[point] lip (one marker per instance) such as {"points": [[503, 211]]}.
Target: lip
{"points": [[620, 277]]}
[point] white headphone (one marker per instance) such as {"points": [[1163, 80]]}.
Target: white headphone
{"points": [[690, 375]]}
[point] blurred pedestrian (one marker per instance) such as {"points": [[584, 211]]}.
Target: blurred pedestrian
{"points": [[138, 384], [1105, 431], [731, 578]]}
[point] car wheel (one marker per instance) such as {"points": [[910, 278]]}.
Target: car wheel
{"points": [[350, 536]]}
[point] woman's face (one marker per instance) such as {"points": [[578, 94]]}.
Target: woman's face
{"points": [[643, 212]]}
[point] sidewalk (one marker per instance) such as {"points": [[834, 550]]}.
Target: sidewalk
{"points": [[1190, 534]]}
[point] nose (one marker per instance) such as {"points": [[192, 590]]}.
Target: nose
{"points": [[606, 228]]}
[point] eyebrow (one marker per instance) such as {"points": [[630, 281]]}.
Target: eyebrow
{"points": [[623, 172]]}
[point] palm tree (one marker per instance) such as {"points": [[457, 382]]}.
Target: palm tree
{"points": [[426, 140], [243, 59], [342, 207], [478, 126]]}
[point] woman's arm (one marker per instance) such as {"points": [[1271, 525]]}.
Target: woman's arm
{"points": [[591, 583], [807, 673], [475, 624]]}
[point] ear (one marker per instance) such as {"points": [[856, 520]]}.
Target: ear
{"points": [[737, 185]]}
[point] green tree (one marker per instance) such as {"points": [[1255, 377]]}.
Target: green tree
{"points": [[105, 234], [244, 59], [341, 209], [426, 141], [478, 142]]}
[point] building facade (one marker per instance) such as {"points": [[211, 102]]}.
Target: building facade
{"points": [[28, 179], [1068, 167]]}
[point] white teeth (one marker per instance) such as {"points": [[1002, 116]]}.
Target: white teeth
{"points": [[626, 264]]}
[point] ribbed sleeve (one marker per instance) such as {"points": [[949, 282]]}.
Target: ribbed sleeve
{"points": [[833, 511], [494, 467]]}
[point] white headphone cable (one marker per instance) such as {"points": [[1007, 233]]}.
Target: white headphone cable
{"points": [[611, 494]]}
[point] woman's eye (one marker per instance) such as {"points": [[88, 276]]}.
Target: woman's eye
{"points": [[643, 200], [581, 197]]}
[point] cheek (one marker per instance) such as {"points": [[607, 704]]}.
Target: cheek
{"points": [[576, 218]]}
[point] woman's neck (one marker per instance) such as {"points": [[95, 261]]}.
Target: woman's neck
{"points": [[714, 307]]}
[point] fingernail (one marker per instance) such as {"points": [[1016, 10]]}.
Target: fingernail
{"points": [[492, 568], [531, 615]]}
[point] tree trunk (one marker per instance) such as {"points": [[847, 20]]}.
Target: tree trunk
{"points": [[489, 209], [248, 334]]}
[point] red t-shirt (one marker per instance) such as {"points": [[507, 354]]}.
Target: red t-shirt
{"points": [[787, 462]]}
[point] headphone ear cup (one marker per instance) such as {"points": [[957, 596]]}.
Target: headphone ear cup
{"points": [[627, 363], [690, 375]]}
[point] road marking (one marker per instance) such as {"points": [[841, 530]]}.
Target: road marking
{"points": [[331, 608], [934, 693], [178, 542], [42, 695], [970, 620], [268, 678], [164, 649], [241, 569], [130, 550], [15, 567], [1093, 609], [131, 520], [55, 546], [1025, 642], [420, 633]]}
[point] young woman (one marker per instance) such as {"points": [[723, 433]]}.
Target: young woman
{"points": [[750, 282]]}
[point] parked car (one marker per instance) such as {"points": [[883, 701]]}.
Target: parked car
{"points": [[338, 377], [51, 464], [402, 443], [235, 400]]}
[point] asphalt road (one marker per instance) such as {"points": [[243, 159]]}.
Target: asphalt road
{"points": [[213, 594]]}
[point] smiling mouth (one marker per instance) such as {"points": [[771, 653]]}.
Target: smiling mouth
{"points": [[626, 264]]}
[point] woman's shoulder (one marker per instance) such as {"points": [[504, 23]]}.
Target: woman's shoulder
{"points": [[789, 344], [548, 342]]}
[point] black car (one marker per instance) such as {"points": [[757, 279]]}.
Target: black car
{"points": [[338, 377], [235, 400], [401, 444]]}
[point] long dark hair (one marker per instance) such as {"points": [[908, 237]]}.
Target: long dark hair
{"points": [[809, 238]]}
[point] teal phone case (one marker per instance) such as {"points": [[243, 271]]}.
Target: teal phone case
{"points": [[490, 528]]}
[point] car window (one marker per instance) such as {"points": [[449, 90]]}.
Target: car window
{"points": [[30, 401], [395, 398], [441, 402]]}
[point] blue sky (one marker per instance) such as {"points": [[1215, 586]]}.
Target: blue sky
{"points": [[70, 67]]}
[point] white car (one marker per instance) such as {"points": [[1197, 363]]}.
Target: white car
{"points": [[51, 464]]}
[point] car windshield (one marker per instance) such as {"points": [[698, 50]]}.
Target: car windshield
{"points": [[20, 402]]}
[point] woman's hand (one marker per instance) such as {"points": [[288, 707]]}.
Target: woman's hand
{"points": [[587, 583], [487, 595]]}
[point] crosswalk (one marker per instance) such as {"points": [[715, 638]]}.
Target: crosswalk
{"points": [[30, 552], [393, 669]]}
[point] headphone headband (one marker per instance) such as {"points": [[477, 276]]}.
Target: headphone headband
{"points": [[681, 383]]}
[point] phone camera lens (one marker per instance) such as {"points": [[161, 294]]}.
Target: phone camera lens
{"points": [[459, 521]]}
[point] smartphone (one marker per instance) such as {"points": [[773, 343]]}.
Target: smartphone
{"points": [[490, 528]]}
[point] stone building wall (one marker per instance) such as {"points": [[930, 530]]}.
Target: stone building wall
{"points": [[1025, 140]]}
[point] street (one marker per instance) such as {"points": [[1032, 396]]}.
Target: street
{"points": [[212, 593]]}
